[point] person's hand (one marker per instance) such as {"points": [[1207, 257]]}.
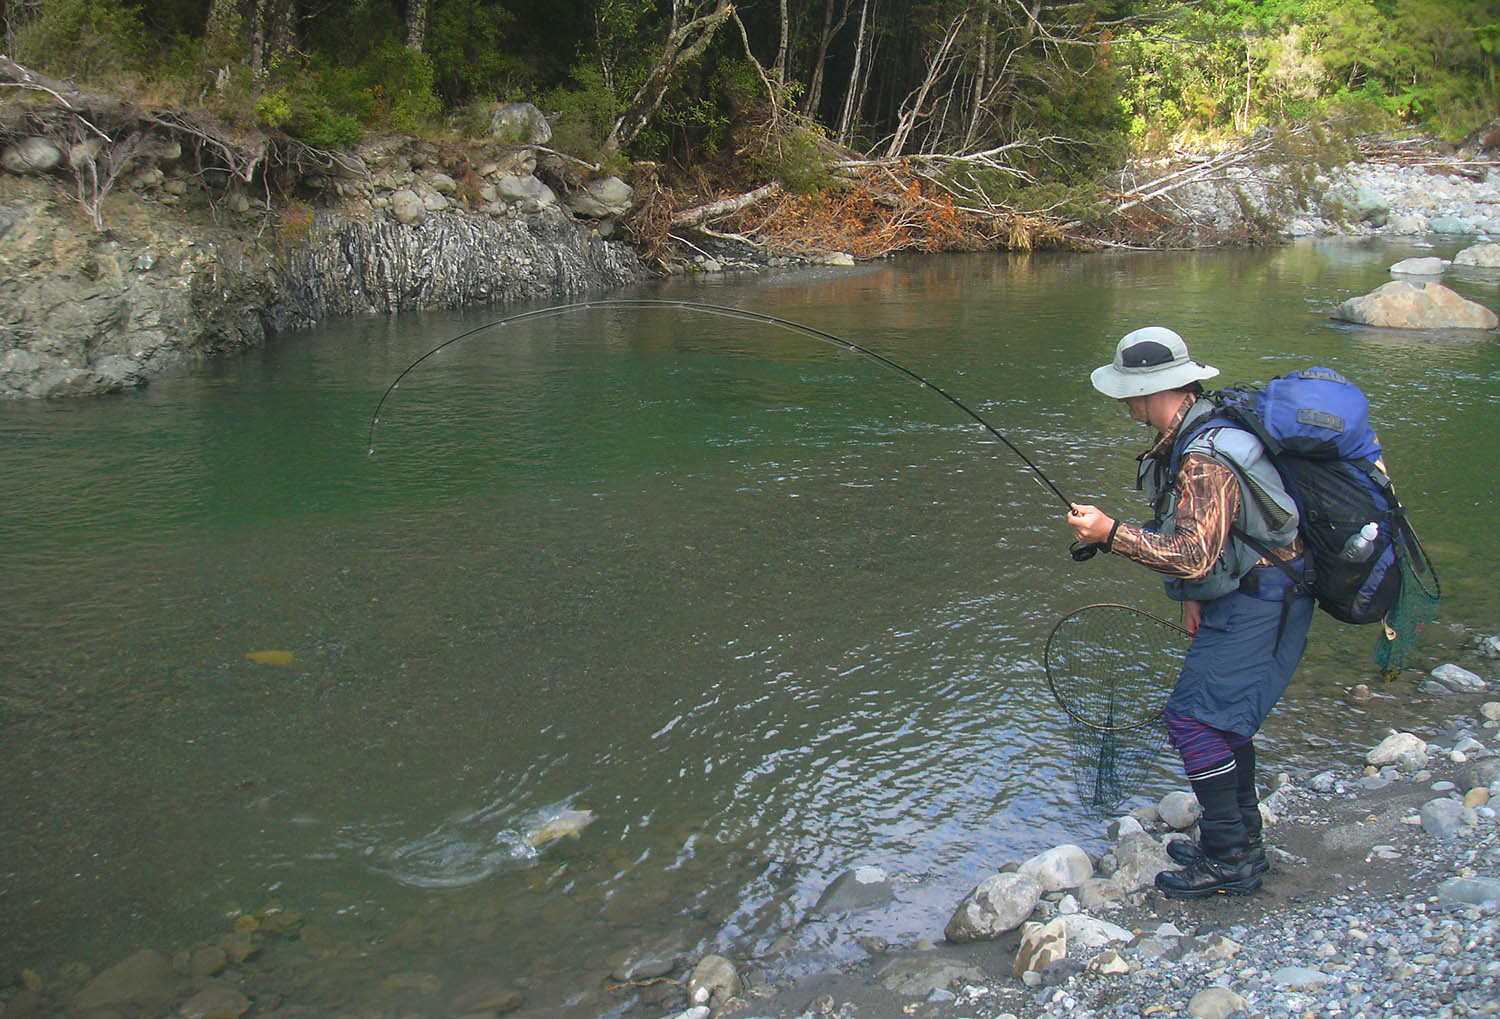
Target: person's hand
{"points": [[1192, 616], [1090, 524]]}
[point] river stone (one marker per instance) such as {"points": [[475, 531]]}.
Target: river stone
{"points": [[1485, 254], [207, 962], [1401, 304], [215, 1002], [1179, 810], [1369, 206], [520, 124], [407, 206], [1405, 751], [918, 976], [1450, 225], [1215, 1003], [1138, 859], [31, 156], [145, 978], [1086, 931], [648, 961], [1041, 944], [527, 192], [1443, 817], [998, 904], [1059, 868], [859, 888], [485, 996], [1458, 680], [601, 199], [1419, 267], [714, 979], [1298, 978], [1474, 891]]}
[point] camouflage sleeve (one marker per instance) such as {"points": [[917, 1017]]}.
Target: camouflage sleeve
{"points": [[1209, 502]]}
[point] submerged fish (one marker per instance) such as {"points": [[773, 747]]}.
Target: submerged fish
{"points": [[271, 657], [564, 822]]}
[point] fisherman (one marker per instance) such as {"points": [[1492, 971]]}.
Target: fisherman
{"points": [[1225, 537]]}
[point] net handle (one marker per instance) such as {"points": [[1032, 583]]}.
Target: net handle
{"points": [[1052, 683]]}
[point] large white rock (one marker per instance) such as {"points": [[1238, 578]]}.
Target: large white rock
{"points": [[1405, 751], [998, 904], [1086, 931], [1419, 267], [407, 206], [1060, 868], [1401, 304], [521, 123]]}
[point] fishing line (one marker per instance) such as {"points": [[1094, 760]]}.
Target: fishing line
{"points": [[1079, 552]]}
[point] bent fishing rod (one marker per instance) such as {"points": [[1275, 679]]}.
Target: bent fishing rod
{"points": [[1079, 550]]}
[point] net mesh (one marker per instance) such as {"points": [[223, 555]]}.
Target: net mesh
{"points": [[1415, 608], [1110, 667]]}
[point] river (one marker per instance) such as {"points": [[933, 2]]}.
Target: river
{"points": [[764, 608]]}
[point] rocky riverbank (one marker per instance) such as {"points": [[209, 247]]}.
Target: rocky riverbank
{"points": [[166, 260], [1383, 900]]}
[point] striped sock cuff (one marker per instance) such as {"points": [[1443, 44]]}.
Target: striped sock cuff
{"points": [[1206, 752]]}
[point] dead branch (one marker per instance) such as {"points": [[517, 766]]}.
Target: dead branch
{"points": [[71, 99], [723, 207]]}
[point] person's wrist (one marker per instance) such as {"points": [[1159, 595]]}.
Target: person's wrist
{"points": [[1109, 542]]}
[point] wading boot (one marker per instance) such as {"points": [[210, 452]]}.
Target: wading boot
{"points": [[1188, 853], [1247, 800], [1224, 863], [1210, 876]]}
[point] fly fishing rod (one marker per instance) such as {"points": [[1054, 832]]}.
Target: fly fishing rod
{"points": [[1079, 550]]}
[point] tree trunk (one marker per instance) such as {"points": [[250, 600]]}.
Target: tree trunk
{"points": [[830, 29], [416, 24], [684, 44], [981, 72], [852, 97], [781, 48]]}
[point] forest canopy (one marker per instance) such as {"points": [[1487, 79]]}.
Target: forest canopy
{"points": [[1066, 88]]}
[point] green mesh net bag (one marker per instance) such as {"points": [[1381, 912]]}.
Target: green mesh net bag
{"points": [[1415, 608]]}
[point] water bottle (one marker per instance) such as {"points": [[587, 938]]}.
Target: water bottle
{"points": [[1361, 544]]}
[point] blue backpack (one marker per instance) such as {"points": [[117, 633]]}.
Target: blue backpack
{"points": [[1315, 425]]}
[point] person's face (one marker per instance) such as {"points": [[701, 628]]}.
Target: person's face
{"points": [[1137, 406]]}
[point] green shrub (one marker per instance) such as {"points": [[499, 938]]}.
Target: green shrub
{"points": [[582, 112], [88, 39]]}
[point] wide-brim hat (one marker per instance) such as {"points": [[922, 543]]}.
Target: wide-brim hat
{"points": [[1148, 361]]}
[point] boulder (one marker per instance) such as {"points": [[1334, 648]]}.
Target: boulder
{"points": [[530, 194], [1401, 304], [408, 207], [1059, 868], [1455, 679], [1139, 858], [1484, 255], [860, 888], [519, 123], [998, 904], [1370, 207], [31, 156], [1040, 944], [1432, 266], [1086, 931], [918, 976], [714, 980], [1405, 751], [144, 979], [1179, 810], [601, 199]]}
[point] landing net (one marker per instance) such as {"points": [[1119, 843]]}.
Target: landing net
{"points": [[1110, 668]]}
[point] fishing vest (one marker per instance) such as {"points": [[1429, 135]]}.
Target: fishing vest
{"points": [[1267, 512]]}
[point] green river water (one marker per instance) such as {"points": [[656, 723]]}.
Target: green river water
{"points": [[765, 608]]}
